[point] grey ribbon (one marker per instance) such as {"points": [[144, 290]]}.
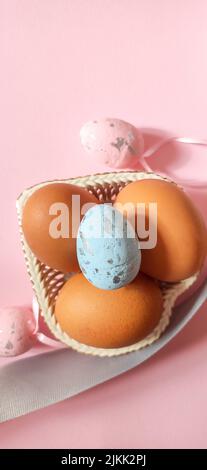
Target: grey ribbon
{"points": [[33, 383]]}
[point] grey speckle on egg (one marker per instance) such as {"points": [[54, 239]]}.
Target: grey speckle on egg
{"points": [[116, 279], [119, 143], [9, 345], [131, 150]]}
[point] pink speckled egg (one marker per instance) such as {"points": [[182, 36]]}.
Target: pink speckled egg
{"points": [[113, 142], [17, 326]]}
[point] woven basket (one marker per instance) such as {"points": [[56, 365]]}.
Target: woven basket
{"points": [[47, 282]]}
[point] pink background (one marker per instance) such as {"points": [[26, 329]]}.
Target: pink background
{"points": [[62, 63]]}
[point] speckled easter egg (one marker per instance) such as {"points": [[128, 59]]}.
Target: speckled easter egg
{"points": [[17, 326], [107, 248], [113, 142]]}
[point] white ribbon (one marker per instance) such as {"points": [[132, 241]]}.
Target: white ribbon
{"points": [[184, 140]]}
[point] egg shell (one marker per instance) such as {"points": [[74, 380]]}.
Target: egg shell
{"points": [[58, 253], [17, 326], [107, 248], [113, 142], [109, 319], [181, 233]]}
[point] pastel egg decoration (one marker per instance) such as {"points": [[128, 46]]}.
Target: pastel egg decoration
{"points": [[112, 142], [17, 330], [107, 248]]}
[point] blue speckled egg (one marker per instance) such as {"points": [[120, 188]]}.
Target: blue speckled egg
{"points": [[107, 248]]}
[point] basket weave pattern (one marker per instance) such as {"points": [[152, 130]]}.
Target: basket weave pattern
{"points": [[47, 282]]}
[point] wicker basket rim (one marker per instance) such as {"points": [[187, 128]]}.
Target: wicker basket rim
{"points": [[169, 296]]}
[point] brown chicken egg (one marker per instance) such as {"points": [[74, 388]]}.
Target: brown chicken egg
{"points": [[50, 222], [108, 319], [181, 244]]}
